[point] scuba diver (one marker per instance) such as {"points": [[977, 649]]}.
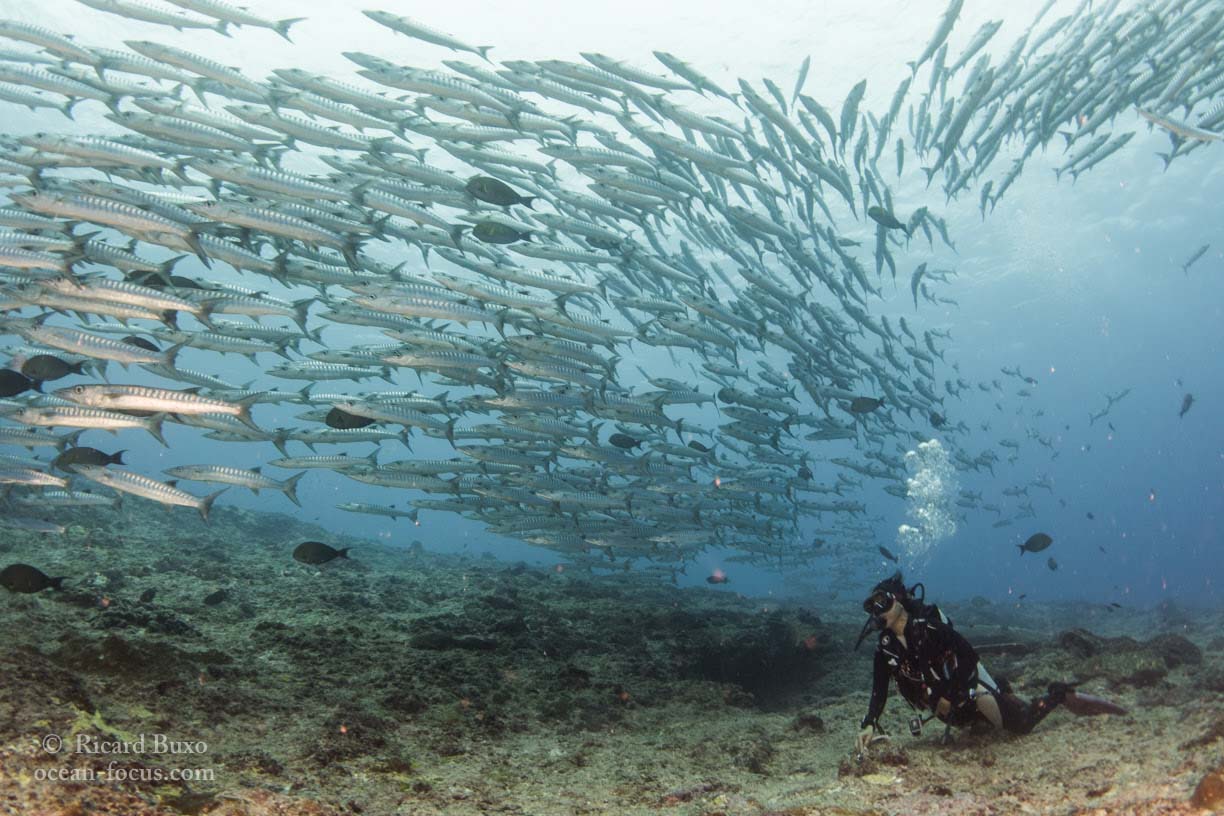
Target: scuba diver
{"points": [[937, 669]]}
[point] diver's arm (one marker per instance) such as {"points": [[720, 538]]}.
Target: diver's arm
{"points": [[879, 691]]}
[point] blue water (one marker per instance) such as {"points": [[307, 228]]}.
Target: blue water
{"points": [[1078, 284]]}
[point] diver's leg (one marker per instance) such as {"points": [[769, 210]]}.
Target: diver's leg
{"points": [[988, 706], [1020, 717]]}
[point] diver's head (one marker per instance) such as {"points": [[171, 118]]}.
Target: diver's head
{"points": [[888, 599]]}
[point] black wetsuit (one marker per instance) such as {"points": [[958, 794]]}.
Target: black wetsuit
{"points": [[937, 662]]}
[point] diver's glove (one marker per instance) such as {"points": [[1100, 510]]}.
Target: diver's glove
{"points": [[869, 733]]}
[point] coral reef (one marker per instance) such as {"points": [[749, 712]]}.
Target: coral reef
{"points": [[405, 682]]}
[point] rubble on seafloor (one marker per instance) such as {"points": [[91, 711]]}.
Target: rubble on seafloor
{"points": [[403, 681]]}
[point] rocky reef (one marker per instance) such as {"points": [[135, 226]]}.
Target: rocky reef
{"points": [[400, 681]]}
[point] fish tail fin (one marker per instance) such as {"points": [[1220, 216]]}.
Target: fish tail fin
{"points": [[456, 233], [526, 201], [206, 503], [282, 26], [301, 308], [193, 240], [69, 440], [483, 50], [58, 582], [180, 170], [1022, 550], [171, 355], [289, 488], [222, 28], [343, 553], [244, 412], [116, 458], [154, 427], [166, 267], [279, 438]]}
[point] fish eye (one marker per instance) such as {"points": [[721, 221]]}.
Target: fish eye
{"points": [[78, 389]]}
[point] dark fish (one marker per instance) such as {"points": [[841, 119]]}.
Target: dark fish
{"points": [[864, 405], [885, 219], [884, 552], [1022, 596], [1115, 604], [718, 577], [148, 595], [1187, 401], [492, 232], [697, 446], [805, 473], [624, 441], [141, 342], [1036, 543], [13, 383], [86, 456], [215, 598], [45, 367], [1031, 380], [1090, 516], [1062, 502], [344, 421], [937, 420], [1052, 564], [1102, 549], [26, 579], [154, 280], [316, 552], [492, 191]]}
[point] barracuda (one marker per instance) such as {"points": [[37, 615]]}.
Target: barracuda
{"points": [[227, 13], [273, 181], [98, 210], [146, 488], [94, 346], [156, 400], [193, 63], [74, 417], [252, 479], [29, 477]]}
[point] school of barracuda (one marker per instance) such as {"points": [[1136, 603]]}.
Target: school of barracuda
{"points": [[565, 213]]}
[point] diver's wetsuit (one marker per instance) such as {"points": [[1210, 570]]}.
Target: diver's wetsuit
{"points": [[937, 662]]}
